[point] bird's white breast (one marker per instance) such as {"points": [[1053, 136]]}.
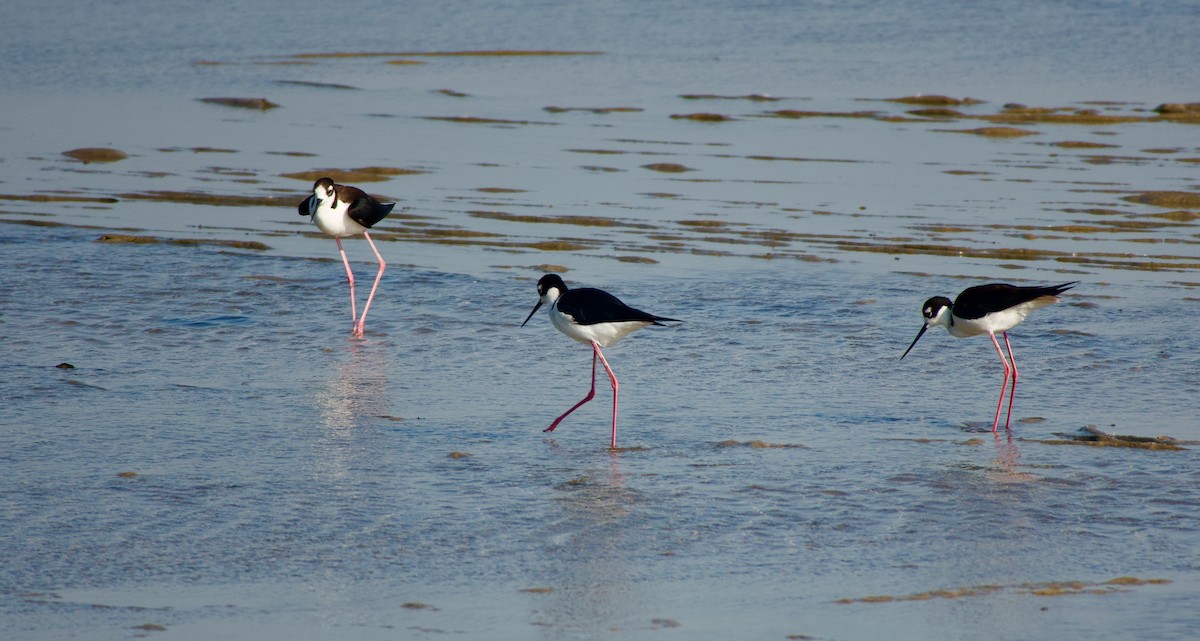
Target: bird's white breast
{"points": [[334, 221], [604, 334]]}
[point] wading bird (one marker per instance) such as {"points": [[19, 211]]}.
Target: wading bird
{"points": [[987, 309], [594, 317], [341, 211]]}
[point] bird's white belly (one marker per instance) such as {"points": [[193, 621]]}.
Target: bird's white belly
{"points": [[604, 334], [996, 322], [335, 222]]}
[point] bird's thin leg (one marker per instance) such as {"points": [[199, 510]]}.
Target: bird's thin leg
{"points": [[1012, 392], [1003, 385], [612, 377], [587, 398], [362, 320], [349, 277]]}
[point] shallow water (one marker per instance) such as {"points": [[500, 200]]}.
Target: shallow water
{"points": [[223, 460]]}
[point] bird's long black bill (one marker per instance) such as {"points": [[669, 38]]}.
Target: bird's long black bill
{"points": [[914, 343], [535, 308], [305, 207]]}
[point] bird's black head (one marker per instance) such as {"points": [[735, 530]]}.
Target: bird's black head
{"points": [[550, 281], [547, 283], [933, 306], [323, 188], [932, 311]]}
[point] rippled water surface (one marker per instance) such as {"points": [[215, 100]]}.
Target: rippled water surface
{"points": [[222, 460]]}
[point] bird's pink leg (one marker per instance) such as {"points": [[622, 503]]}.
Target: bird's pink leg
{"points": [[1004, 384], [1012, 392], [612, 377], [350, 277], [587, 398], [362, 320]]}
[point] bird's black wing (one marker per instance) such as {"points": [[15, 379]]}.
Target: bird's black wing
{"points": [[590, 306], [981, 300], [367, 211]]}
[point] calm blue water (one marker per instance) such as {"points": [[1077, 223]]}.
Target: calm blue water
{"points": [[224, 461]]}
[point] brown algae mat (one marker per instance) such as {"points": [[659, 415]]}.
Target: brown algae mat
{"points": [[1043, 589]]}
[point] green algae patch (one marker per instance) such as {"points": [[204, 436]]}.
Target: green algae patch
{"points": [[558, 246], [761, 445], [88, 155], [1179, 216], [132, 239], [222, 200], [476, 120], [582, 221], [317, 85], [1057, 117], [56, 198], [797, 114], [1167, 199], [257, 104], [355, 175], [702, 117], [937, 112], [934, 100], [757, 97], [668, 167], [1187, 113], [1093, 437], [1080, 144], [599, 152], [996, 132], [483, 53], [595, 110], [1038, 589]]}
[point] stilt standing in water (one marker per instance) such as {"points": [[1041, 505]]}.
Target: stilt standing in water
{"points": [[593, 317], [342, 211], [987, 309]]}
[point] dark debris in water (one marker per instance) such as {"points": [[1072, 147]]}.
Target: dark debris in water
{"points": [[1093, 436], [703, 117], [413, 605], [260, 104]]}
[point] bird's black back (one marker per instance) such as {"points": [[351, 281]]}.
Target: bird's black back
{"points": [[981, 300], [589, 306]]}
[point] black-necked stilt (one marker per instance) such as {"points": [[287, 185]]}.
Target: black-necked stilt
{"points": [[987, 309], [594, 317], [341, 211]]}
